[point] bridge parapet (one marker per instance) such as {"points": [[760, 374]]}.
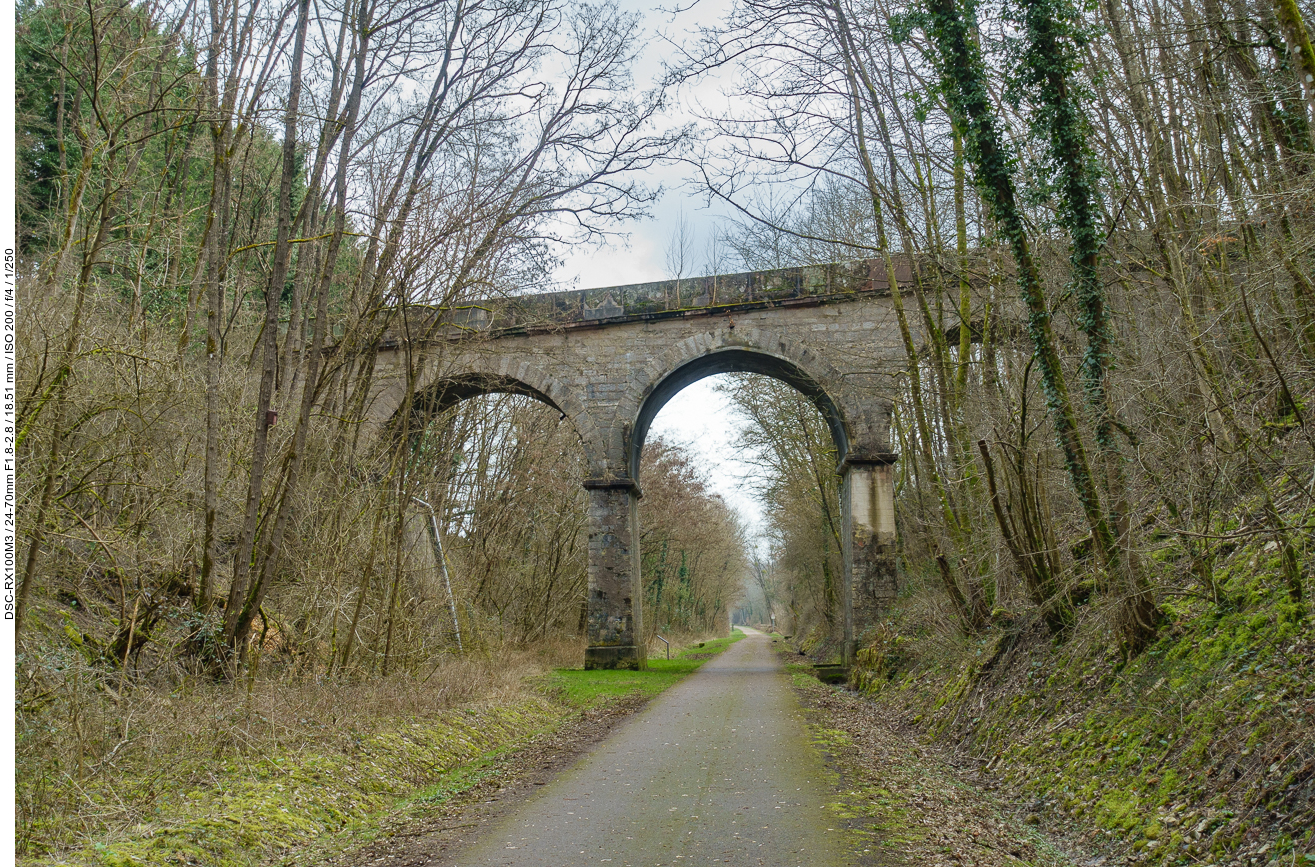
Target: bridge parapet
{"points": [[805, 285]]}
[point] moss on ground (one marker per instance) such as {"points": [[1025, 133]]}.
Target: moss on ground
{"points": [[1199, 751], [253, 808], [902, 804]]}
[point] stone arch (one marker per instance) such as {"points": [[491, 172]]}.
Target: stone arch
{"points": [[441, 387], [740, 350]]}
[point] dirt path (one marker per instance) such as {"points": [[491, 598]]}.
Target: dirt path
{"points": [[912, 805]]}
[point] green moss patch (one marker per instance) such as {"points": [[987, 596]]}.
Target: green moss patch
{"points": [[902, 804], [1199, 751], [256, 808]]}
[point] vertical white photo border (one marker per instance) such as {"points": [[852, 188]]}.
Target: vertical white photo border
{"points": [[8, 516]]}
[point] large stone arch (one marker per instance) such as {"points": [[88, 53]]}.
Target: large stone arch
{"points": [[742, 350], [858, 421]]}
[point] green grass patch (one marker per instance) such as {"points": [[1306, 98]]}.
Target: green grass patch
{"points": [[802, 674], [589, 688]]}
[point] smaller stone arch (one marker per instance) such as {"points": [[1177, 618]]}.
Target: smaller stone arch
{"points": [[446, 392], [442, 385]]}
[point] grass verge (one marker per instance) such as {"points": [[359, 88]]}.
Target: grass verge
{"points": [[579, 688]]}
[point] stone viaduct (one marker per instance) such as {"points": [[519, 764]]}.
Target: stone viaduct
{"points": [[609, 359]]}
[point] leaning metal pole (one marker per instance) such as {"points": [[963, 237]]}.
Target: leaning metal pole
{"points": [[442, 565]]}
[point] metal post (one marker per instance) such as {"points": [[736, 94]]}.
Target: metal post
{"points": [[442, 565]]}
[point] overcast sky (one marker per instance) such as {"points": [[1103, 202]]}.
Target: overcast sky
{"points": [[641, 256]]}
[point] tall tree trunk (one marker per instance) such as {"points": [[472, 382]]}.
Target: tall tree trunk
{"points": [[235, 635], [1049, 61], [311, 388], [965, 85]]}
